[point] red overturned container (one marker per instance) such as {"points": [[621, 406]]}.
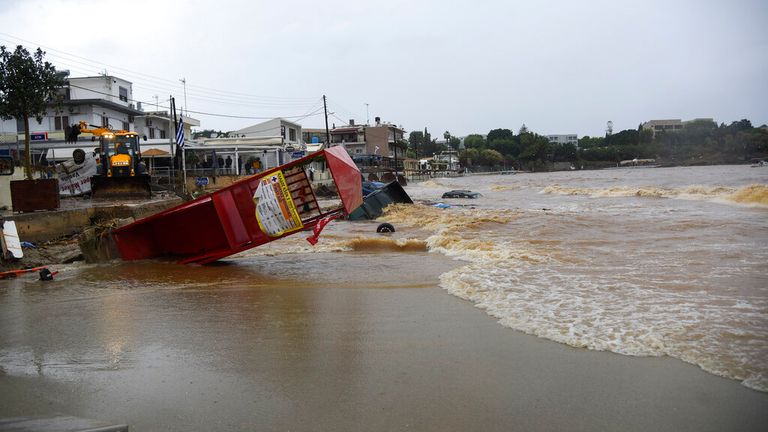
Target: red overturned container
{"points": [[257, 210]]}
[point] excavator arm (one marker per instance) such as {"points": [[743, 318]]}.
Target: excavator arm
{"points": [[97, 131]]}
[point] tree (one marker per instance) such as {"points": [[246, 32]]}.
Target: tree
{"points": [[416, 140], [505, 146], [523, 129], [500, 134], [491, 157], [469, 157], [565, 153], [27, 85], [474, 141]]}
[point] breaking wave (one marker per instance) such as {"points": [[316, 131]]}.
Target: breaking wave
{"points": [[363, 244], [755, 194], [542, 288], [502, 188]]}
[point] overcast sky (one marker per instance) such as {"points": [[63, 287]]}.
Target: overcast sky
{"points": [[464, 66]]}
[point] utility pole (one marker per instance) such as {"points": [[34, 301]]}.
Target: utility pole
{"points": [[184, 81], [367, 116], [327, 132], [394, 147]]}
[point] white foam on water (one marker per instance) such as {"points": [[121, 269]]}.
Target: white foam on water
{"points": [[615, 313], [755, 195], [646, 304]]}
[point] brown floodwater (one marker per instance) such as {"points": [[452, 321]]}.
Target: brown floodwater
{"points": [[379, 332]]}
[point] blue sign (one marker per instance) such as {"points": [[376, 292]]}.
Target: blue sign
{"points": [[298, 154], [315, 140], [201, 181], [39, 136]]}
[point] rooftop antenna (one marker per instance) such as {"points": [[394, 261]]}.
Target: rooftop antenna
{"points": [[367, 117], [157, 107], [609, 128]]}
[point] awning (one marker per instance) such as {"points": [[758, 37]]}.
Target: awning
{"points": [[153, 153]]}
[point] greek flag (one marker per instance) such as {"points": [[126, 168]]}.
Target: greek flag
{"points": [[180, 134]]}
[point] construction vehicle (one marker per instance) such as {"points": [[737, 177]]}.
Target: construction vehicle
{"points": [[120, 173]]}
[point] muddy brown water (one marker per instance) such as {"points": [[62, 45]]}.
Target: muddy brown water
{"points": [[381, 332]]}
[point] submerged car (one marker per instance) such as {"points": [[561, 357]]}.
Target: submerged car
{"points": [[461, 193]]}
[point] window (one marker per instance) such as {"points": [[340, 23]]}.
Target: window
{"points": [[291, 134], [151, 133], [282, 131], [123, 94], [104, 121], [162, 133], [60, 122], [126, 126]]}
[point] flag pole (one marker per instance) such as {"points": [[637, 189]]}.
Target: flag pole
{"points": [[183, 158], [180, 145]]}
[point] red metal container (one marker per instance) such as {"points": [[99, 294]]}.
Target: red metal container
{"points": [[254, 211]]}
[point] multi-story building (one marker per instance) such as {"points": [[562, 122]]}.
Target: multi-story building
{"points": [[671, 125], [100, 101], [158, 130], [378, 139], [667, 125], [313, 136], [564, 139], [290, 132]]}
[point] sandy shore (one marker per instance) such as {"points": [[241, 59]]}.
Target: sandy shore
{"points": [[233, 347]]}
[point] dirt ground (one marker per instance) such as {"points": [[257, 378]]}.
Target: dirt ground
{"points": [[59, 251]]}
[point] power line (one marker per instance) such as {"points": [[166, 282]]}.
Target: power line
{"points": [[204, 113], [63, 55], [200, 93]]}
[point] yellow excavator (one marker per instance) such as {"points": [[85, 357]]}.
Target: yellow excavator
{"points": [[120, 172]]}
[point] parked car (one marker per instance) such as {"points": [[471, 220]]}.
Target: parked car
{"points": [[461, 193]]}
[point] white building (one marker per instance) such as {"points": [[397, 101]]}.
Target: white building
{"points": [[564, 139], [288, 131], [100, 101], [158, 131]]}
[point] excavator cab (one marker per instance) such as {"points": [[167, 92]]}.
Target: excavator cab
{"points": [[121, 173]]}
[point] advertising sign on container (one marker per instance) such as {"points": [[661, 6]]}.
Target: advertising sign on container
{"points": [[74, 178], [275, 210], [298, 154]]}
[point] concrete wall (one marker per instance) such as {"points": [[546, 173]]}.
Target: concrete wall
{"points": [[50, 225]]}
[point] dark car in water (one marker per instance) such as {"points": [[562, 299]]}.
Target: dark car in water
{"points": [[461, 193]]}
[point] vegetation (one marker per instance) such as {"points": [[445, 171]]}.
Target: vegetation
{"points": [[27, 86], [699, 142]]}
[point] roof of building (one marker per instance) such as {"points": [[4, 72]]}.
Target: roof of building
{"points": [[104, 103], [260, 127]]}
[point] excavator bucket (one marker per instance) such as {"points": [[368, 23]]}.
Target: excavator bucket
{"points": [[121, 187]]}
